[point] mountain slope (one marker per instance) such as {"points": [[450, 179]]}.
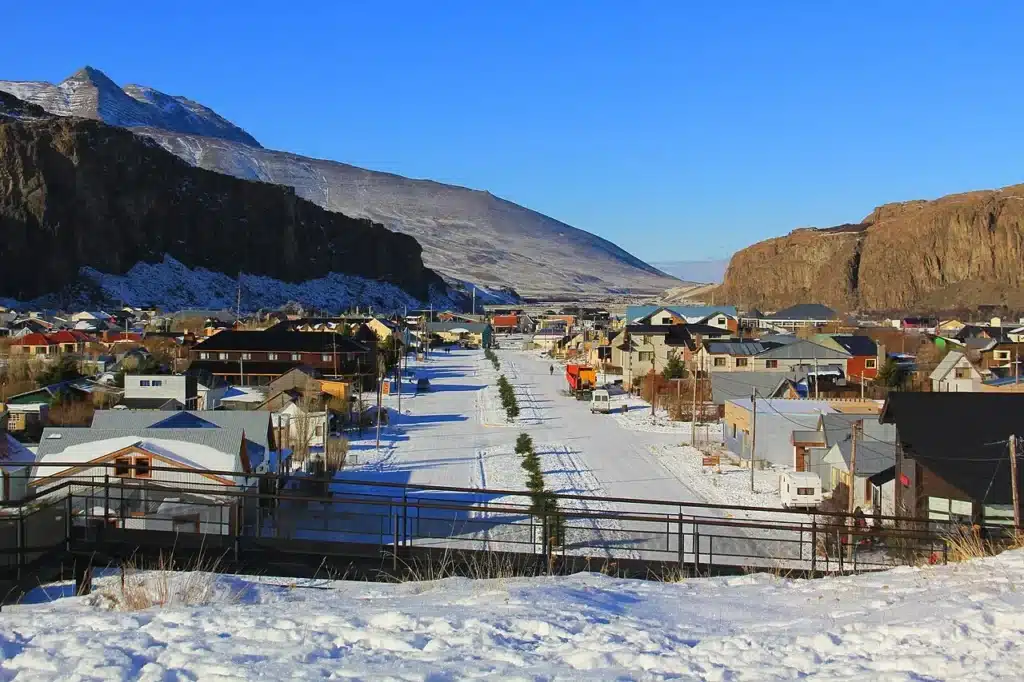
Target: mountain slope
{"points": [[80, 194], [959, 251], [466, 234]]}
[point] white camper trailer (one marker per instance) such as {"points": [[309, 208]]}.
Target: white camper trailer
{"points": [[800, 489]]}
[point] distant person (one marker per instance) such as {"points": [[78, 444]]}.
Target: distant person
{"points": [[551, 370]]}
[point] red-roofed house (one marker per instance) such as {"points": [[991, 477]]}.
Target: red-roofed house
{"points": [[70, 341], [505, 324], [34, 344], [113, 337]]}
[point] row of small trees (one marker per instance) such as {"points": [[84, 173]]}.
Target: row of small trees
{"points": [[490, 355], [508, 398], [543, 503]]}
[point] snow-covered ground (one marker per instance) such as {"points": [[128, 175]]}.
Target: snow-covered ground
{"points": [[957, 622]]}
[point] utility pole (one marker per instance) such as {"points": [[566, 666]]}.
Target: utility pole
{"points": [[693, 413], [654, 378], [897, 493], [854, 428], [753, 434], [1013, 481], [816, 377]]}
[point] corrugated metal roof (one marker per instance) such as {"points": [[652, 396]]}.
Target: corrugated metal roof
{"points": [[727, 386], [56, 440], [744, 348], [255, 423], [946, 366], [635, 312], [804, 350]]}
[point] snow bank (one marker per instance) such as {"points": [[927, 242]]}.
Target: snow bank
{"points": [[942, 623], [171, 285]]}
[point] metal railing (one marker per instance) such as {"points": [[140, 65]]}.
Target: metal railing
{"points": [[393, 516]]}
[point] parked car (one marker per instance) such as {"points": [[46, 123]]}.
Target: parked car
{"points": [[422, 385]]}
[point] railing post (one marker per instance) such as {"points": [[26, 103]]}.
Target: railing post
{"points": [[814, 546], [668, 532], [238, 527], [696, 546], [21, 542], [405, 517], [67, 523], [679, 537], [394, 554], [711, 552], [106, 502]]}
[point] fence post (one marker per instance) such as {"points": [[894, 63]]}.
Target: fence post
{"points": [[238, 527], [106, 502], [394, 553], [668, 532], [21, 541], [67, 523], [814, 545], [405, 518]]}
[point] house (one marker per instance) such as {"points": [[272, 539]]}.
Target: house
{"points": [[385, 330], [302, 429], [1001, 355], [955, 454], [160, 392], [949, 327], [505, 324], [955, 374], [477, 334], [862, 363], [643, 348], [548, 339], [15, 466], [797, 316], [876, 452], [34, 344], [244, 398], [802, 354], [730, 356], [775, 422], [259, 438], [259, 357], [723, 317]]}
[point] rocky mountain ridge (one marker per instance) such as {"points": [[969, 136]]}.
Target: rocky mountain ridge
{"points": [[468, 235], [78, 193], [959, 251]]}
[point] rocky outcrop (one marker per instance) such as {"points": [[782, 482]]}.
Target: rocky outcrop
{"points": [[77, 192], [960, 251]]}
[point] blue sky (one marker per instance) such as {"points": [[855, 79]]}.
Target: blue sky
{"points": [[679, 130]]}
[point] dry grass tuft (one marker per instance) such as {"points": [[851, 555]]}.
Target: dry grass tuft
{"points": [[163, 585]]}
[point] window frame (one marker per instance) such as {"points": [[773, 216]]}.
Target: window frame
{"points": [[771, 364], [742, 362], [203, 355], [146, 469], [123, 467], [145, 383], [296, 357], [871, 363], [720, 362]]}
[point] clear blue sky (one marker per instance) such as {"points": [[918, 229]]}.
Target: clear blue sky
{"points": [[678, 130]]}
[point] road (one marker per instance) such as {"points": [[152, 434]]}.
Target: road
{"points": [[455, 435]]}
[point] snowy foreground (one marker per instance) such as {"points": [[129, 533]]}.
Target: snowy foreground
{"points": [[941, 623]]}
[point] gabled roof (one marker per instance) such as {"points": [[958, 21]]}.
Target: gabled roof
{"points": [[690, 313], [946, 366], [876, 448], [803, 350], [13, 455], [960, 436], [283, 341], [470, 327], [857, 346], [738, 348], [727, 386], [256, 424], [804, 311]]}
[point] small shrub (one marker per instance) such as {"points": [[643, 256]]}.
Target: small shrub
{"points": [[524, 444]]}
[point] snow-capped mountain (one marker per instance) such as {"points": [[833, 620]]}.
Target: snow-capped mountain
{"points": [[90, 94], [466, 234]]}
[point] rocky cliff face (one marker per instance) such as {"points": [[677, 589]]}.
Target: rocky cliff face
{"points": [[466, 234], [963, 250], [76, 192]]}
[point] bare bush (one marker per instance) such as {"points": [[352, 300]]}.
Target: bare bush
{"points": [[163, 586]]}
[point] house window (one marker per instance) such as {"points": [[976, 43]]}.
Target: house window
{"points": [[271, 356], [870, 363], [122, 466], [741, 362], [720, 362], [1002, 355], [771, 364], [646, 355], [666, 320], [721, 320], [247, 356], [963, 372], [69, 348], [204, 356], [326, 357], [143, 382], [142, 469], [296, 356], [734, 430], [40, 350], [223, 356], [319, 431], [158, 382]]}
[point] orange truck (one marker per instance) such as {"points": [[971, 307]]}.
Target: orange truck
{"points": [[581, 379]]}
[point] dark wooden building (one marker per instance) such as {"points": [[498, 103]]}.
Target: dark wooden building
{"points": [[259, 357]]}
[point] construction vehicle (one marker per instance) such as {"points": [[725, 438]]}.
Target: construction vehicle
{"points": [[581, 379]]}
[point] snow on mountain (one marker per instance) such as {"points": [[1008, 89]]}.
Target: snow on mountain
{"points": [[170, 285], [958, 622], [466, 234], [89, 93]]}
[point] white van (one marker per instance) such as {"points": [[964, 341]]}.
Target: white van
{"points": [[800, 489], [600, 401]]}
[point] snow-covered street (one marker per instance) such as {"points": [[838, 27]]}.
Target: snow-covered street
{"points": [[957, 622]]}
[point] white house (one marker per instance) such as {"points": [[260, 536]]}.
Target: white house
{"points": [[956, 374]]}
